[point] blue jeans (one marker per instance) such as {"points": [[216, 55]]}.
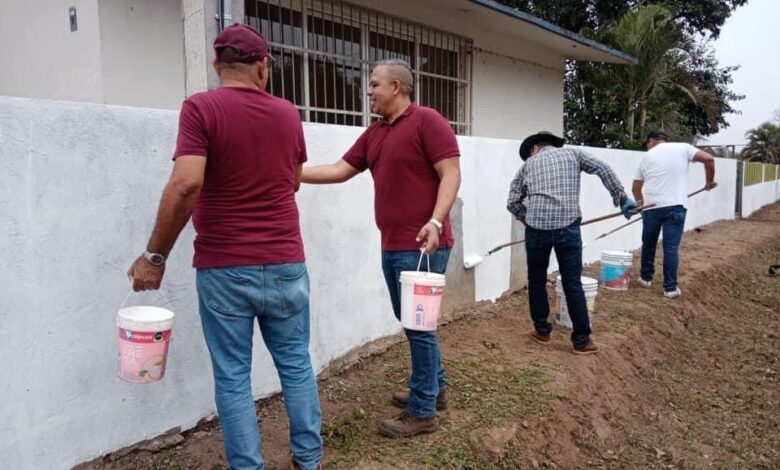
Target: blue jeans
{"points": [[672, 221], [277, 296], [427, 379], [567, 243]]}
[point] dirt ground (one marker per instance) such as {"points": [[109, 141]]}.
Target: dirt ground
{"points": [[687, 383]]}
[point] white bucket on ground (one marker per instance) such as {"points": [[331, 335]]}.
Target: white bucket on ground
{"points": [[421, 294], [615, 269], [144, 337], [591, 288]]}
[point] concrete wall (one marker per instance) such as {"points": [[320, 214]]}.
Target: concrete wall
{"points": [[758, 195], [78, 196], [489, 165], [142, 52], [42, 58]]}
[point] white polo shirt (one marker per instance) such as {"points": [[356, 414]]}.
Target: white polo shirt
{"points": [[664, 170]]}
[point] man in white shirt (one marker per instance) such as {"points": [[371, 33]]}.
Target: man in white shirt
{"points": [[662, 179]]}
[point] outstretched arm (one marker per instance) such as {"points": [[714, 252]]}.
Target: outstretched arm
{"points": [[337, 172]]}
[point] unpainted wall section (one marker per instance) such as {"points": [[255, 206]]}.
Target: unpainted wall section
{"points": [[40, 55], [78, 198], [142, 52]]}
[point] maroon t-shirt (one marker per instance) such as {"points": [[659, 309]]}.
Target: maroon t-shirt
{"points": [[401, 156], [253, 142]]}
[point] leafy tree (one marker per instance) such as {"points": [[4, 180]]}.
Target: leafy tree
{"points": [[704, 17], [763, 143], [677, 86]]}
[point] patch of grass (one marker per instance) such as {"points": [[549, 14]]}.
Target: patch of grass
{"points": [[491, 396], [166, 460], [459, 451], [347, 434]]}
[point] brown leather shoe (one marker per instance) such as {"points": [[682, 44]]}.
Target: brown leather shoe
{"points": [[406, 425], [401, 399], [589, 348], [295, 466], [539, 338]]}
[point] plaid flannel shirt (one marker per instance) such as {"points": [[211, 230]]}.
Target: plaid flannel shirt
{"points": [[550, 180]]}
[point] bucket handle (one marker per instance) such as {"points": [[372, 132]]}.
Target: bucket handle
{"points": [[427, 258], [162, 293]]}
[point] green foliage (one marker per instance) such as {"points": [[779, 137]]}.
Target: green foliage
{"points": [[763, 143], [677, 85]]}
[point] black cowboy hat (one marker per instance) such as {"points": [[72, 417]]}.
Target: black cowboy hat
{"points": [[542, 136]]}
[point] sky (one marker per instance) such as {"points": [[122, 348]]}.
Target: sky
{"points": [[751, 38]]}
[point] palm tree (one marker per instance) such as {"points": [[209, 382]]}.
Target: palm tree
{"points": [[647, 89], [763, 143]]}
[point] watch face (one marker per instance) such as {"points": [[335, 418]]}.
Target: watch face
{"points": [[156, 259]]}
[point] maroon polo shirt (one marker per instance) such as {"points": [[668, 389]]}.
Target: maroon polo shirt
{"points": [[253, 141], [401, 156]]}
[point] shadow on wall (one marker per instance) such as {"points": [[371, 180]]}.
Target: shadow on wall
{"points": [[460, 292]]}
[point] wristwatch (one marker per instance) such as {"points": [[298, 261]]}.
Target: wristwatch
{"points": [[439, 226], [155, 259]]}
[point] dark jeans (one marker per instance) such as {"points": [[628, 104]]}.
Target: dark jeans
{"points": [[672, 221], [567, 243], [427, 379]]}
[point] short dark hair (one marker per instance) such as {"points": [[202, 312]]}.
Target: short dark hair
{"points": [[655, 135]]}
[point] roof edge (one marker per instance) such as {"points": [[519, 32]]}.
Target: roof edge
{"points": [[555, 29]]}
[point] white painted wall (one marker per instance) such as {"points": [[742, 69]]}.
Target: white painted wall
{"points": [[42, 58], [142, 51], [78, 196], [489, 166], [758, 195]]}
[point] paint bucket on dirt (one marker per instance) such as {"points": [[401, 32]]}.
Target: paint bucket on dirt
{"points": [[615, 268], [421, 293], [144, 337], [591, 288]]}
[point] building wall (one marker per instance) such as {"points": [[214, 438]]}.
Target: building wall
{"points": [[42, 58], [142, 52], [127, 52], [78, 199], [513, 98], [517, 86]]}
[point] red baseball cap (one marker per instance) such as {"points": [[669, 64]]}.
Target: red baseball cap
{"points": [[250, 44]]}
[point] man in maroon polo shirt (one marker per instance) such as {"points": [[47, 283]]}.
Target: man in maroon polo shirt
{"points": [[413, 157], [238, 161]]}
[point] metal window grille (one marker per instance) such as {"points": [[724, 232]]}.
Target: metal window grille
{"points": [[324, 51]]}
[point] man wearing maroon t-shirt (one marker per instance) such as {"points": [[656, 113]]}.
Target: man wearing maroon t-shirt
{"points": [[238, 161], [413, 157]]}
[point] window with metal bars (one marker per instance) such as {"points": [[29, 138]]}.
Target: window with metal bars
{"points": [[324, 51]]}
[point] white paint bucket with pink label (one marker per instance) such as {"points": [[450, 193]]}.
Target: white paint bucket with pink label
{"points": [[144, 338], [421, 293]]}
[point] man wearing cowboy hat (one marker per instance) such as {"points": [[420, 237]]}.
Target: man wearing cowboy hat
{"points": [[550, 181]]}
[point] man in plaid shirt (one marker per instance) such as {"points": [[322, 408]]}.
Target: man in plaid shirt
{"points": [[550, 181]]}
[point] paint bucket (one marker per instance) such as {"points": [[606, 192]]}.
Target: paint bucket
{"points": [[615, 267], [591, 288], [421, 293], [144, 337]]}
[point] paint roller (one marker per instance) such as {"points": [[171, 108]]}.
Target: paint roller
{"points": [[470, 261]]}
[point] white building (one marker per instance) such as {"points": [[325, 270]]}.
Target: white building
{"points": [[492, 71]]}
